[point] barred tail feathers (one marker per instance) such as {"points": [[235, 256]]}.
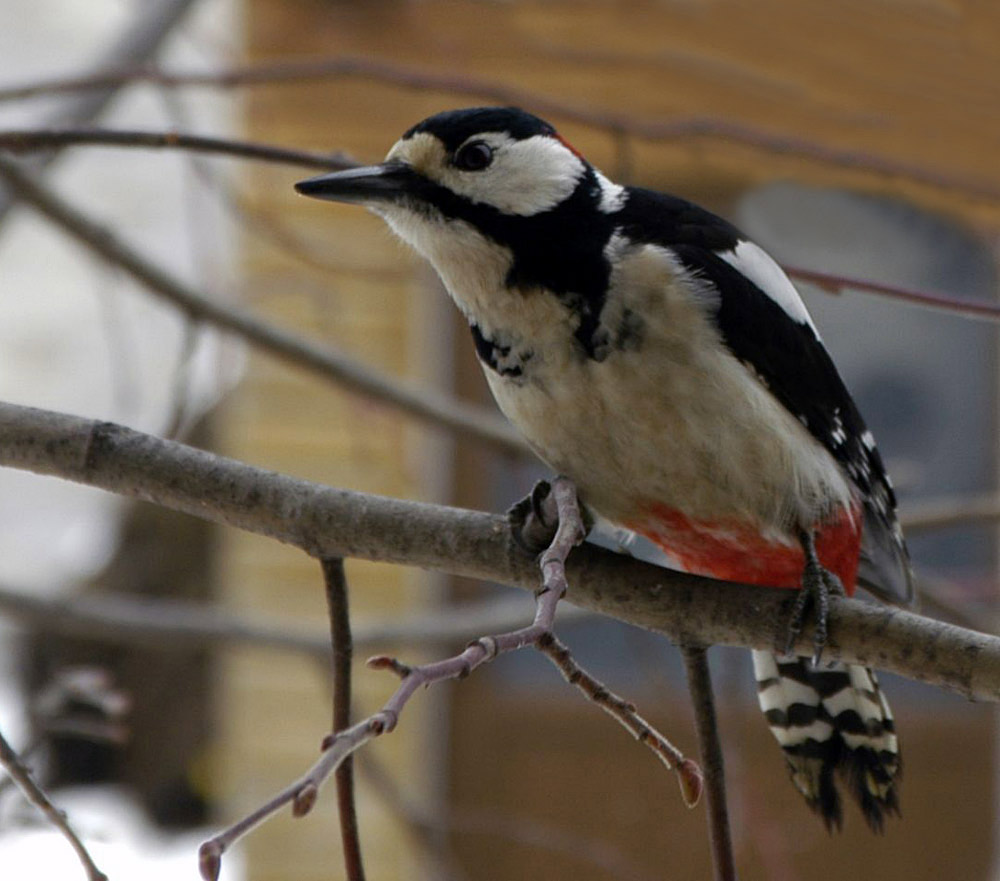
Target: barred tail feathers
{"points": [[832, 719]]}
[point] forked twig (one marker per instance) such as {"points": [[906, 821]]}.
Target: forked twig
{"points": [[12, 764], [689, 775], [302, 794]]}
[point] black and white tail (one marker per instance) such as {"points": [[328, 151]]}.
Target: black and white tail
{"points": [[832, 719]]}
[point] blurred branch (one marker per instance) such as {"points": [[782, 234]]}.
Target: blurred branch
{"points": [[710, 754], [343, 655], [950, 511], [33, 140], [12, 764], [834, 283], [174, 624], [421, 79], [139, 41], [431, 408], [21, 141], [333, 522]]}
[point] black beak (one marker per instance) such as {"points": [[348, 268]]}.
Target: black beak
{"points": [[375, 183]]}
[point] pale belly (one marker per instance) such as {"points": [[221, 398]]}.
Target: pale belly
{"points": [[696, 455]]}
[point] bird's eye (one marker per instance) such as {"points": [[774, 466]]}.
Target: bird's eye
{"points": [[474, 156]]}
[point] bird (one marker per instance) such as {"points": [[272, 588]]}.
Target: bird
{"points": [[649, 351]]}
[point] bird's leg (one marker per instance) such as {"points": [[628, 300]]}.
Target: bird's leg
{"points": [[818, 584]]}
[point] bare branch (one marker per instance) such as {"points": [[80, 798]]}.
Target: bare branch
{"points": [[429, 407], [169, 624], [335, 522], [343, 655], [12, 764], [422, 79], [340, 745], [977, 309], [953, 511], [138, 42], [31, 140], [710, 751]]}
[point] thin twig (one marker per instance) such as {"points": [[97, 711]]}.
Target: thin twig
{"points": [[324, 521], [19, 141], [432, 408], [977, 309], [422, 79], [689, 775], [337, 747], [710, 750], [13, 765], [343, 654]]}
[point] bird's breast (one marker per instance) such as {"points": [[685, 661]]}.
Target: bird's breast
{"points": [[667, 418]]}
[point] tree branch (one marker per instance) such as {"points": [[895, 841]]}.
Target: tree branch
{"points": [[340, 746], [170, 624], [20, 141], [333, 522], [12, 764], [343, 655], [710, 753]]}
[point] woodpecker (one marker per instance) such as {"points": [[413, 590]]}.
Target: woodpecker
{"points": [[652, 353]]}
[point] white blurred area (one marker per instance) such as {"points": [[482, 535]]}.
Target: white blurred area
{"points": [[80, 337], [76, 335]]}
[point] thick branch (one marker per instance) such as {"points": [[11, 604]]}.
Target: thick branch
{"points": [[334, 522]]}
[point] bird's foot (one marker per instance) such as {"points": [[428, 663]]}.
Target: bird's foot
{"points": [[534, 520], [818, 585]]}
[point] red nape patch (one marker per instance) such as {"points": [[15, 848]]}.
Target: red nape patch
{"points": [[734, 551], [569, 146]]}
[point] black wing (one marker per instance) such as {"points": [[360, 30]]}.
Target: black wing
{"points": [[775, 340]]}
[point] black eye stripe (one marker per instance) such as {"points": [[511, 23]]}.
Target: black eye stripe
{"points": [[473, 156]]}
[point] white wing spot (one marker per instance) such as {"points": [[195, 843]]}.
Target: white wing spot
{"points": [[756, 264], [613, 196]]}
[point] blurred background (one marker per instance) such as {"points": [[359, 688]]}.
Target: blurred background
{"points": [[857, 139]]}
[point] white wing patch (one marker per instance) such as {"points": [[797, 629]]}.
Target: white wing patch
{"points": [[613, 196], [757, 265]]}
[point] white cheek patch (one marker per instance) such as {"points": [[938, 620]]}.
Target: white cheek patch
{"points": [[756, 264], [526, 177]]}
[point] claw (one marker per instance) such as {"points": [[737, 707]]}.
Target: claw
{"points": [[817, 586], [531, 520]]}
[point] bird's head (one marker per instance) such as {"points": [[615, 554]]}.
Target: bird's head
{"points": [[485, 173]]}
